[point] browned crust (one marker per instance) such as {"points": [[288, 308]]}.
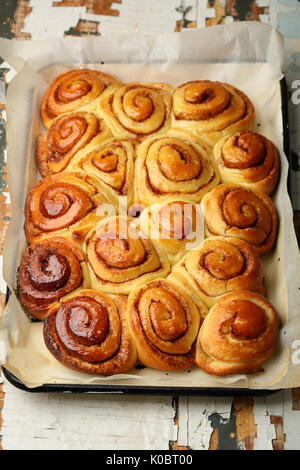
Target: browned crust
{"points": [[148, 353], [212, 208], [218, 367], [122, 361], [46, 115], [39, 307]]}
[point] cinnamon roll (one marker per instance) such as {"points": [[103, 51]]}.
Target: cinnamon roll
{"points": [[73, 91], [119, 255], [219, 265], [66, 136], [175, 226], [239, 333], [235, 211], [112, 163], [174, 167], [211, 109], [64, 204], [137, 109], [49, 270], [164, 323], [248, 158], [88, 332]]}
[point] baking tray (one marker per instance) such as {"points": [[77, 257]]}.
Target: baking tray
{"points": [[165, 390]]}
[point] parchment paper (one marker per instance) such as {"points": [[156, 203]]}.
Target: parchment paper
{"points": [[247, 55]]}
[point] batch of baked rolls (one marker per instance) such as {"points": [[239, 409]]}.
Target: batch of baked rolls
{"points": [[118, 267]]}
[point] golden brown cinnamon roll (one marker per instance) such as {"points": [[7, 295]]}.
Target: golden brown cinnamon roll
{"points": [[238, 334], [173, 167], [175, 226], [118, 256], [164, 323], [67, 135], [137, 109], [211, 109], [248, 158], [219, 265], [64, 204], [49, 270], [235, 211], [74, 90], [89, 332], [112, 163]]}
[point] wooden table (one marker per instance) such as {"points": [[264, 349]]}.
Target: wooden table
{"points": [[58, 421]]}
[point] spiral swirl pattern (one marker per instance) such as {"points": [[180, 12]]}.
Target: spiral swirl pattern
{"points": [[88, 332], [235, 211], [118, 256], [49, 270], [138, 109], [248, 158], [211, 109], [67, 135], [218, 266], [238, 334], [62, 202], [173, 167], [73, 90], [111, 162], [164, 323], [172, 225]]}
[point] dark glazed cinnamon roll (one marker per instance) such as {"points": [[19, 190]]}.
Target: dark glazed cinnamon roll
{"points": [[88, 332], [49, 270], [74, 90]]}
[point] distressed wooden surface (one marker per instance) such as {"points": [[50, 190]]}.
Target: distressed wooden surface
{"points": [[59, 421]]}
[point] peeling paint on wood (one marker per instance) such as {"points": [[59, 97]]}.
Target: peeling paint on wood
{"points": [[245, 423], [278, 443]]}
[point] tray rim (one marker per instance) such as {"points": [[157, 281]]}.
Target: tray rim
{"points": [[165, 390]]}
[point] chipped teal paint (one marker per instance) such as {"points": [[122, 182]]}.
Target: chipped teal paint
{"points": [[289, 23]]}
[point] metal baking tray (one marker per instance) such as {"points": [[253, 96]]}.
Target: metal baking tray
{"points": [[164, 390]]}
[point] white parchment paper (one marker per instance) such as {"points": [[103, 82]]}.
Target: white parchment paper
{"points": [[247, 55]]}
